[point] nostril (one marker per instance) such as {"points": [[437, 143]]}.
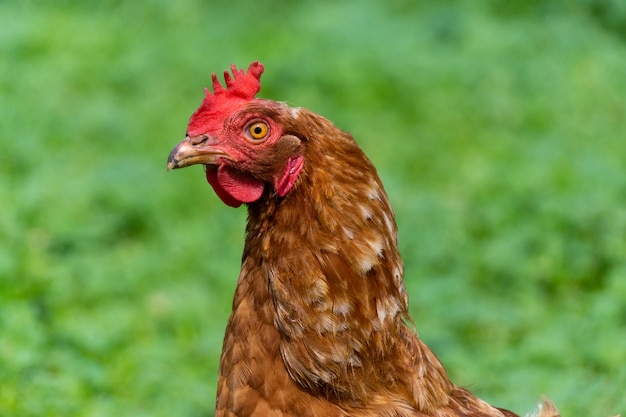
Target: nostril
{"points": [[197, 140]]}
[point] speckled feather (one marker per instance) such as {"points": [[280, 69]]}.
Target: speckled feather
{"points": [[319, 322]]}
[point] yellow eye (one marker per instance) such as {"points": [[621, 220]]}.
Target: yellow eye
{"points": [[258, 130]]}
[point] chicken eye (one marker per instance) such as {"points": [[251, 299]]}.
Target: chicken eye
{"points": [[258, 130]]}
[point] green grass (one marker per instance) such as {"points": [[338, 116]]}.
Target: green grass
{"points": [[497, 127]]}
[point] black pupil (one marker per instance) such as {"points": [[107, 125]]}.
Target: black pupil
{"points": [[258, 130]]}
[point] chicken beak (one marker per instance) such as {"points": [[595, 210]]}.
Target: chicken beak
{"points": [[194, 150]]}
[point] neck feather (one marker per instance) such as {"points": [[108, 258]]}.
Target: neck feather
{"points": [[327, 257]]}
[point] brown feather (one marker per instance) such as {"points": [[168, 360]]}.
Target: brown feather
{"points": [[319, 321]]}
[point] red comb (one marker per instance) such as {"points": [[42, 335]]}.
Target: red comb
{"points": [[240, 89]]}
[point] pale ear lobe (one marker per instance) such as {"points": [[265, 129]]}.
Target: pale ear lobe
{"points": [[285, 182]]}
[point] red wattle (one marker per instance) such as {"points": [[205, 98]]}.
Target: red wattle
{"points": [[233, 187]]}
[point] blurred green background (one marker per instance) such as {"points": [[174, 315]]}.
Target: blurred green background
{"points": [[498, 128]]}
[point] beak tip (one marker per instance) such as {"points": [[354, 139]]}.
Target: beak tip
{"points": [[172, 160]]}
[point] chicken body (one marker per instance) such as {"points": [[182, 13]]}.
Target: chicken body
{"points": [[319, 321]]}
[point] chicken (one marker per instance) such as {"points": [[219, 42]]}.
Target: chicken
{"points": [[320, 323]]}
